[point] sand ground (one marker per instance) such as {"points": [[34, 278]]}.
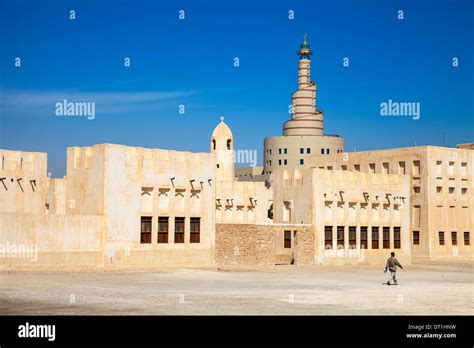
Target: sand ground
{"points": [[424, 289]]}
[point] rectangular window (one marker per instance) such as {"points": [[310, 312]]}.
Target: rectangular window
{"points": [[416, 189], [357, 167], [385, 168], [145, 230], [285, 151], [416, 237], [340, 236], [301, 161], [454, 238], [371, 167], [179, 229], [416, 168], [328, 237], [439, 189], [327, 151], [401, 168], [451, 169], [441, 238], [287, 211], [416, 216], [163, 228], [287, 241], [439, 168], [322, 151], [308, 150], [352, 236], [451, 190], [396, 238], [363, 237], [279, 162], [195, 230], [467, 240], [279, 151], [286, 162], [386, 237], [301, 150], [343, 167], [375, 237]]}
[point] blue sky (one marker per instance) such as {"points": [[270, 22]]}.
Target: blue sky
{"points": [[190, 63]]}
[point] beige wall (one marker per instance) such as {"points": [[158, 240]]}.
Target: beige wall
{"points": [[430, 168], [24, 182], [358, 200], [85, 180], [121, 184], [248, 172], [56, 196], [293, 196], [243, 202], [293, 144], [130, 170], [452, 209], [337, 198], [60, 240]]}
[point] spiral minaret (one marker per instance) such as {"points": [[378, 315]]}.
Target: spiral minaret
{"points": [[306, 119], [303, 134]]}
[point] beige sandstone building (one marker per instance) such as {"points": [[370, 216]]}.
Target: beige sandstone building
{"points": [[441, 193], [122, 206]]}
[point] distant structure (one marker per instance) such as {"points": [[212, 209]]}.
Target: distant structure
{"points": [[303, 133], [466, 146], [222, 145]]}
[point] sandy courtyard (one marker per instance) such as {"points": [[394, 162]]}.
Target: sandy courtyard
{"points": [[423, 289]]}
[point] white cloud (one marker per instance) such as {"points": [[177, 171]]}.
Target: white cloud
{"points": [[42, 103]]}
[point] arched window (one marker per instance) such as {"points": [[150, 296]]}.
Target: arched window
{"points": [[228, 144], [213, 144]]}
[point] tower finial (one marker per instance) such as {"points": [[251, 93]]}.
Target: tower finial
{"points": [[222, 118], [304, 51]]}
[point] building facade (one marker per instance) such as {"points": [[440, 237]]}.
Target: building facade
{"points": [[356, 218], [442, 198], [134, 207]]}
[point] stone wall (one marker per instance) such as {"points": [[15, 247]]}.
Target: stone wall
{"points": [[264, 245], [245, 245], [304, 245]]}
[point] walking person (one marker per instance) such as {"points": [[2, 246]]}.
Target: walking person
{"points": [[391, 265]]}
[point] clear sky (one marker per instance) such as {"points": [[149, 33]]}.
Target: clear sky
{"points": [[191, 62]]}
